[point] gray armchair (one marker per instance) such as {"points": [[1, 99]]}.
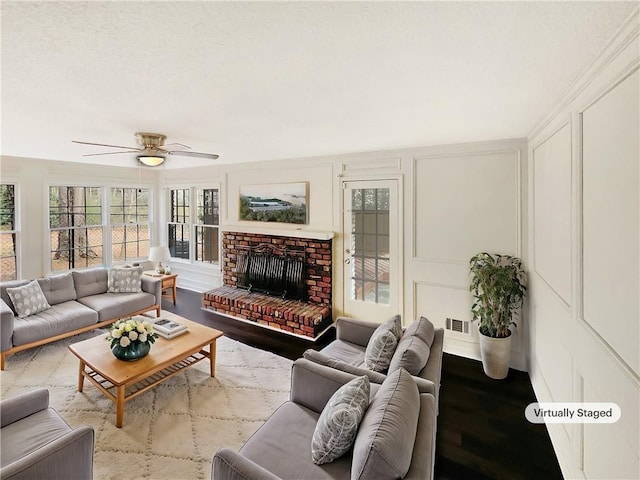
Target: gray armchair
{"points": [[36, 443], [347, 352], [399, 421]]}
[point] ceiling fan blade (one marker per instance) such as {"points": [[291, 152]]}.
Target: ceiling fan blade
{"points": [[101, 144], [175, 147], [111, 153], [212, 156]]}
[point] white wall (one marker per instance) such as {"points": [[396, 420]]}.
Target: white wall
{"points": [[584, 245]]}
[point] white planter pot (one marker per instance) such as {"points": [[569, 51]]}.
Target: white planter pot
{"points": [[496, 354]]}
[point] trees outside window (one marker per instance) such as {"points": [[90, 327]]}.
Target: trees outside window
{"points": [[129, 220], [80, 232], [8, 232], [76, 226]]}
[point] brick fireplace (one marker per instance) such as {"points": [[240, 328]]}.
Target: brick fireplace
{"points": [[308, 318]]}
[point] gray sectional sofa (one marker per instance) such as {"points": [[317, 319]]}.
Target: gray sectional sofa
{"points": [[395, 439], [79, 301]]}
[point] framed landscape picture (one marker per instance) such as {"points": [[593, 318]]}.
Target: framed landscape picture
{"points": [[276, 202]]}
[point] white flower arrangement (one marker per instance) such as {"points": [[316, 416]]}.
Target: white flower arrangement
{"points": [[129, 331]]}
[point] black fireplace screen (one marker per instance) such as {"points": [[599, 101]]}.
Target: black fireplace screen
{"points": [[273, 271]]}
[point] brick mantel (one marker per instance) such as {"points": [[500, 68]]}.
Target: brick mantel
{"points": [[304, 234]]}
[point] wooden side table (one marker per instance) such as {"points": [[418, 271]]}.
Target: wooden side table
{"points": [[169, 282]]}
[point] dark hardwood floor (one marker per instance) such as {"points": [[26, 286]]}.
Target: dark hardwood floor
{"points": [[482, 430]]}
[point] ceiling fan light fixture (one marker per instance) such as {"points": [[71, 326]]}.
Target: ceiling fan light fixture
{"points": [[151, 160]]}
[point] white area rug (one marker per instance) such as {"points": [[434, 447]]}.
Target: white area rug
{"points": [[172, 431]]}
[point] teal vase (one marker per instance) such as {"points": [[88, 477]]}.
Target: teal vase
{"points": [[135, 351]]}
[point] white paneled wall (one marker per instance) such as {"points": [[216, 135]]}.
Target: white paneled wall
{"points": [[610, 132], [467, 199], [584, 298], [552, 211]]}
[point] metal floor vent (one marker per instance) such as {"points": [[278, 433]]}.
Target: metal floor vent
{"points": [[456, 325]]}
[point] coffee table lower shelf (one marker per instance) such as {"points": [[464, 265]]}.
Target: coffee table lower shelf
{"points": [[110, 390]]}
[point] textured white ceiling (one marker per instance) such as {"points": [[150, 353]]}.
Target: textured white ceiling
{"points": [[272, 80]]}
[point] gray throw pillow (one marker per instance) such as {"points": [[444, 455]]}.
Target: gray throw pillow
{"points": [[382, 345], [423, 329], [411, 354], [28, 299], [125, 280], [384, 445], [338, 423]]}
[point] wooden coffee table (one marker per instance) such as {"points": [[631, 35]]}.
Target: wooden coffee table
{"points": [[120, 381]]}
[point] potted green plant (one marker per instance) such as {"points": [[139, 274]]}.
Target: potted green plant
{"points": [[498, 289]]}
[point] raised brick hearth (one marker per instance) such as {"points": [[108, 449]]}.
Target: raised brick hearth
{"points": [[306, 318]]}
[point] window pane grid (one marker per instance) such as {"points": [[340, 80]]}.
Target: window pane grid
{"points": [[179, 240], [203, 224], [370, 245], [180, 206], [206, 244], [75, 221], [129, 218]]}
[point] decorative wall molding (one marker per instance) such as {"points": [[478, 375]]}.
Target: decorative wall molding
{"points": [[358, 167], [515, 150], [625, 36], [557, 127]]}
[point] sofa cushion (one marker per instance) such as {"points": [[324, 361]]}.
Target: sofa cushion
{"points": [[116, 305], [347, 352], [125, 280], [382, 345], [384, 445], [281, 446], [338, 424], [90, 282], [423, 329], [59, 319], [411, 354], [58, 288], [28, 299]]}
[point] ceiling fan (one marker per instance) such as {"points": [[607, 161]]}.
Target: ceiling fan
{"points": [[152, 149]]}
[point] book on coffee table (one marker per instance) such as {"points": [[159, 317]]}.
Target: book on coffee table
{"points": [[168, 328]]}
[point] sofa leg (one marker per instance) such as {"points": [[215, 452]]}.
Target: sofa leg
{"points": [[158, 312], [2, 357]]}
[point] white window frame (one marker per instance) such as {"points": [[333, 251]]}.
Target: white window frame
{"points": [[192, 223], [105, 198]]}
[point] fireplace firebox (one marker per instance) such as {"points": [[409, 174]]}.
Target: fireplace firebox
{"points": [[274, 271]]}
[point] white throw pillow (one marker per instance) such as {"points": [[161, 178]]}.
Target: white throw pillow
{"points": [[28, 299], [125, 280], [338, 424]]}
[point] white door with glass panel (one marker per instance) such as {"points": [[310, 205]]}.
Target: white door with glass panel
{"points": [[372, 282]]}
